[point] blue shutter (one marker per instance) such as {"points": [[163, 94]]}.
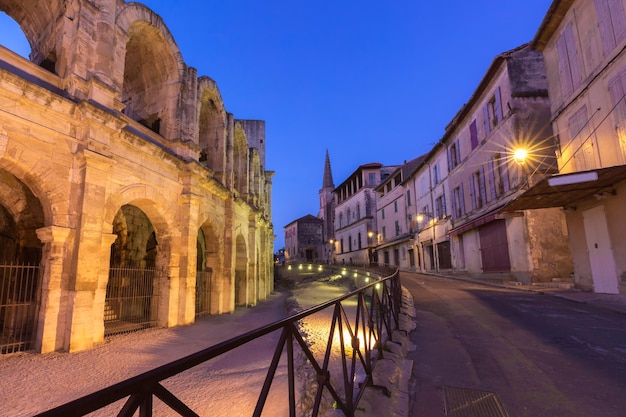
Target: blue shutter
{"points": [[505, 175], [454, 203]]}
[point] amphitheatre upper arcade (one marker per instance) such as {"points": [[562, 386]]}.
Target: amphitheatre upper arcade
{"points": [[129, 196]]}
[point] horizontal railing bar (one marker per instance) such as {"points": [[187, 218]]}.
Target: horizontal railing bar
{"points": [[123, 389]]}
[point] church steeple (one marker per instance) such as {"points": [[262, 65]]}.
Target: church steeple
{"points": [[328, 174]]}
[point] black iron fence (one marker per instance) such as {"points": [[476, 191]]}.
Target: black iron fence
{"points": [[361, 324], [131, 300], [19, 287]]}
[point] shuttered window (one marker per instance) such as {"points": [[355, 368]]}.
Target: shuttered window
{"points": [[611, 22]]}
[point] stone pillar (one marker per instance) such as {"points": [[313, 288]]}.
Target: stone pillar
{"points": [[101, 288], [188, 257], [53, 295], [90, 250]]}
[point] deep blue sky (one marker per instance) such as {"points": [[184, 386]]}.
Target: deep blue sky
{"points": [[369, 81]]}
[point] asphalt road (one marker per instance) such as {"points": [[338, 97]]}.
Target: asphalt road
{"points": [[541, 355]]}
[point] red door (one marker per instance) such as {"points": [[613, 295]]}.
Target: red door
{"points": [[494, 247]]}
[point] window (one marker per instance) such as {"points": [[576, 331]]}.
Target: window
{"points": [[458, 202], [358, 212], [454, 155], [382, 213], [371, 179], [440, 207], [408, 198], [340, 219], [397, 224], [477, 189], [360, 245], [341, 245], [384, 233], [436, 178], [498, 175], [492, 112], [569, 65], [397, 180], [580, 147], [349, 243], [423, 184], [395, 206], [473, 134], [611, 22], [617, 88]]}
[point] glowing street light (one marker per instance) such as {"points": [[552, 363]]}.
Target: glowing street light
{"points": [[520, 155]]}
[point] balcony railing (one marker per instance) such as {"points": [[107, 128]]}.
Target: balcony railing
{"points": [[358, 333]]}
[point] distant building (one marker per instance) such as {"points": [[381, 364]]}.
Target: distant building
{"points": [[355, 214], [396, 217], [327, 211], [304, 240]]}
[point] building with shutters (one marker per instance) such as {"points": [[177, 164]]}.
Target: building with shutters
{"points": [[304, 240], [460, 189], [129, 196], [355, 214], [583, 43]]}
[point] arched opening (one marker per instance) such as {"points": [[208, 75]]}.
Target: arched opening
{"points": [[21, 214], [12, 36], [150, 78], [212, 131], [240, 160], [241, 273], [131, 301]]}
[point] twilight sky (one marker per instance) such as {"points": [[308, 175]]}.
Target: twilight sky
{"points": [[369, 81]]}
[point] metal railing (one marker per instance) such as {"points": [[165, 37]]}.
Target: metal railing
{"points": [[19, 286], [360, 335], [131, 300]]}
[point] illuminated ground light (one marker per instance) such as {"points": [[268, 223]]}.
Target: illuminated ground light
{"points": [[289, 268], [367, 279], [310, 267], [300, 266], [319, 268]]}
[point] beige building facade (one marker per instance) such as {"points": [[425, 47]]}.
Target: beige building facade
{"points": [[137, 198], [583, 43]]}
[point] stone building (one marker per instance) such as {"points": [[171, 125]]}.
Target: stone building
{"points": [[396, 217], [355, 214], [129, 196], [327, 210], [583, 43], [304, 240], [478, 173]]}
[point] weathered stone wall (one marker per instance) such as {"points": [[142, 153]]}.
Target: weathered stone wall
{"points": [[113, 151]]}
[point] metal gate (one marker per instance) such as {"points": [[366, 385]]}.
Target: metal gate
{"points": [[131, 301], [19, 290], [203, 293]]}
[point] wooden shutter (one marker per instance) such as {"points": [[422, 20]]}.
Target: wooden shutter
{"points": [[455, 195], [498, 105], [473, 134], [481, 184], [605, 25], [457, 149], [564, 72], [492, 180], [472, 192], [461, 200], [505, 175], [486, 117]]}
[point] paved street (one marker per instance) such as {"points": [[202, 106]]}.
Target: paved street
{"points": [[541, 355]]}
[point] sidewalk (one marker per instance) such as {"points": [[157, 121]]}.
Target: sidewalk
{"points": [[613, 302]]}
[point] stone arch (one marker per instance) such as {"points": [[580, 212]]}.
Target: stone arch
{"points": [[39, 22], [153, 69], [240, 159], [213, 126], [241, 272], [20, 216]]}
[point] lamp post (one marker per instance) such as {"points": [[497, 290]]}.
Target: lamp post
{"points": [[370, 249]]}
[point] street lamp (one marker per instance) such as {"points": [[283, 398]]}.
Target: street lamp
{"points": [[520, 155]]}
